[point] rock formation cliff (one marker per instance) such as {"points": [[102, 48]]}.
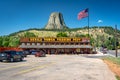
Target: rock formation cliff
{"points": [[56, 21]]}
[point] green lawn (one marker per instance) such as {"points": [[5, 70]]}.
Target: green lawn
{"points": [[113, 59]]}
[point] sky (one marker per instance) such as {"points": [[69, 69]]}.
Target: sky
{"points": [[16, 15]]}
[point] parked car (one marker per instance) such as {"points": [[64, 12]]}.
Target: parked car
{"points": [[10, 56], [40, 54], [104, 51], [27, 52], [33, 52], [22, 53]]}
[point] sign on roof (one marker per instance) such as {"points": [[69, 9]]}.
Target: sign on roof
{"points": [[51, 39]]}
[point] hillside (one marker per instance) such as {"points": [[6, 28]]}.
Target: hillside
{"points": [[99, 36], [93, 31]]}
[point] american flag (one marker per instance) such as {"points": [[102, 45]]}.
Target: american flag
{"points": [[83, 14]]}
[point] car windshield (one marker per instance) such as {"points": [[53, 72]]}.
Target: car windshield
{"points": [[2, 53], [19, 52]]}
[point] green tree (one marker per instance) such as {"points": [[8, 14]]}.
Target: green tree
{"points": [[92, 41], [1, 40], [14, 41], [5, 41], [110, 43], [80, 35], [107, 43], [62, 34], [29, 34]]}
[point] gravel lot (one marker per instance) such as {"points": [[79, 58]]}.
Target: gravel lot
{"points": [[57, 67]]}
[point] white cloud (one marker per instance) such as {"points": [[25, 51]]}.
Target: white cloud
{"points": [[100, 21]]}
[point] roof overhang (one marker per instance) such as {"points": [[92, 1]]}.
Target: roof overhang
{"points": [[55, 46]]}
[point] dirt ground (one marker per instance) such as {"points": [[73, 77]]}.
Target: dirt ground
{"points": [[115, 68]]}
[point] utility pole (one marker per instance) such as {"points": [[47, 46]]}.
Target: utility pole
{"points": [[98, 37], [116, 41]]}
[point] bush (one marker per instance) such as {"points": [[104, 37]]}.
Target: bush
{"points": [[62, 34]]}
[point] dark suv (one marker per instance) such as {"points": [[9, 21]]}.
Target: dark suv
{"points": [[22, 53], [10, 56]]}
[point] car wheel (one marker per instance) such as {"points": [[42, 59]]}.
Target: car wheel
{"points": [[11, 59], [1, 60], [21, 59]]}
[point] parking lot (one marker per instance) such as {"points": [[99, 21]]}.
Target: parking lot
{"points": [[56, 67]]}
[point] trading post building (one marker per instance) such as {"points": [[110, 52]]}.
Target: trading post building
{"points": [[58, 45]]}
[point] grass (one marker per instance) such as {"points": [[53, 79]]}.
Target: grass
{"points": [[113, 59], [117, 77]]}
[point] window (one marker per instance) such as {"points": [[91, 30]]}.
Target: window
{"points": [[33, 43], [72, 43], [23, 43], [62, 43], [28, 43], [67, 43], [86, 43], [76, 43], [38, 43]]}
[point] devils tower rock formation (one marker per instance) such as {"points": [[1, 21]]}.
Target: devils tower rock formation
{"points": [[56, 21]]}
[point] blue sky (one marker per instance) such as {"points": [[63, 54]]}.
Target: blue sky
{"points": [[18, 15]]}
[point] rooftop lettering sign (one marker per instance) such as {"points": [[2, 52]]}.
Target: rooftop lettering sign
{"points": [[51, 39]]}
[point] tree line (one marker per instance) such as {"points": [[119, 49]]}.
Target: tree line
{"points": [[13, 41]]}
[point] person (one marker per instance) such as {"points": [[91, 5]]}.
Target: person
{"points": [[48, 51]]}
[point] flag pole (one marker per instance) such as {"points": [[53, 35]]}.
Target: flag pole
{"points": [[116, 52], [84, 13], [88, 23]]}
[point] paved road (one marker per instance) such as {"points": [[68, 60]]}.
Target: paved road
{"points": [[57, 67], [113, 53]]}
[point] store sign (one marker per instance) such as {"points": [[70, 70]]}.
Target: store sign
{"points": [[35, 39], [55, 39]]}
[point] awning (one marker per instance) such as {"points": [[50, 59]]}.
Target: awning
{"points": [[55, 46]]}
